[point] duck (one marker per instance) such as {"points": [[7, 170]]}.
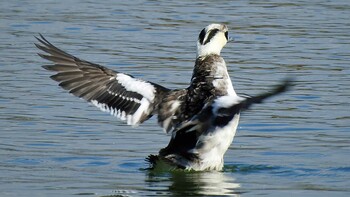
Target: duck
{"points": [[200, 133], [200, 143], [135, 100]]}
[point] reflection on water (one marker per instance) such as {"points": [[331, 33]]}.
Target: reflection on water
{"points": [[53, 144], [198, 183]]}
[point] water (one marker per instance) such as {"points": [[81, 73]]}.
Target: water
{"points": [[297, 144]]}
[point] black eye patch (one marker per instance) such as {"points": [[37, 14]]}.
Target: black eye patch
{"points": [[226, 35], [201, 36], [211, 35]]}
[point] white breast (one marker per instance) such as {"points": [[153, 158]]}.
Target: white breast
{"points": [[215, 145]]}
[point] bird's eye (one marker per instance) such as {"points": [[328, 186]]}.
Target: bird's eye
{"points": [[226, 35], [211, 35], [201, 36]]}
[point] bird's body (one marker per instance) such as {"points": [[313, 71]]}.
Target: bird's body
{"points": [[209, 80], [198, 141]]}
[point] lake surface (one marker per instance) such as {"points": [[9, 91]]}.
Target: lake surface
{"points": [[296, 144]]}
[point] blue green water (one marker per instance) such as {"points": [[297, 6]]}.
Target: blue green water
{"points": [[296, 144]]}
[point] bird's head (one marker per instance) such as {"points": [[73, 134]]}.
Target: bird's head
{"points": [[212, 39]]}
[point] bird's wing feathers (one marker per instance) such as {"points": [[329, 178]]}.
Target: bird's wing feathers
{"points": [[244, 103], [122, 95], [217, 113]]}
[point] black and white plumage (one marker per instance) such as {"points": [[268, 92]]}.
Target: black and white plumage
{"points": [[120, 94], [200, 143], [135, 100]]}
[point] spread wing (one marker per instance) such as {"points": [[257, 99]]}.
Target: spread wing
{"points": [[122, 95], [215, 115]]}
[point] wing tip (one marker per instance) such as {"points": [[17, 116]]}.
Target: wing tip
{"points": [[48, 67], [286, 85], [42, 40]]}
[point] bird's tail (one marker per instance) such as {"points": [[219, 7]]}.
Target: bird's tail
{"points": [[152, 160]]}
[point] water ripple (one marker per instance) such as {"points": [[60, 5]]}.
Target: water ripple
{"points": [[53, 144]]}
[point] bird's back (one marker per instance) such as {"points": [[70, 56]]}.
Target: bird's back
{"points": [[209, 80]]}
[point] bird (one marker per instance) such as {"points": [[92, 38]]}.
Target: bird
{"points": [[200, 143], [135, 100]]}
